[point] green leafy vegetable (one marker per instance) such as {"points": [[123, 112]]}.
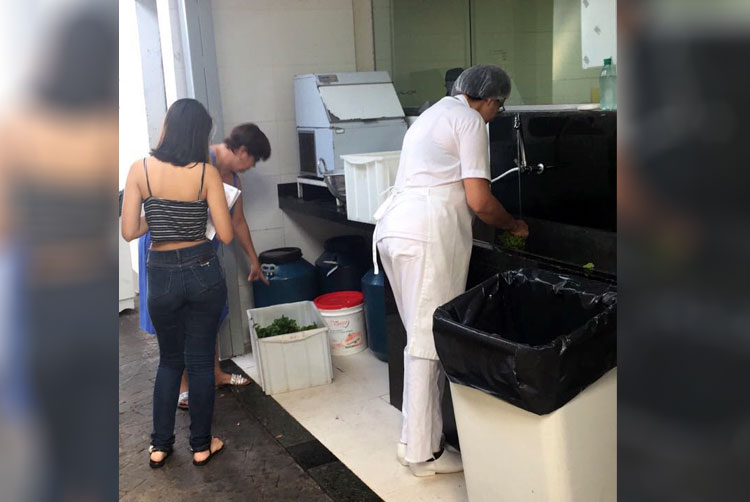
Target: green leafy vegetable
{"points": [[281, 326], [589, 266], [510, 241]]}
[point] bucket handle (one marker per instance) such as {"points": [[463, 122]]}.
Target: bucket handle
{"points": [[268, 269], [331, 262]]}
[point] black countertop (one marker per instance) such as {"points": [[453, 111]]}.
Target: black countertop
{"points": [[317, 202], [487, 258]]}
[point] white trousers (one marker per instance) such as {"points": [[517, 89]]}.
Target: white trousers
{"points": [[422, 417], [422, 425]]}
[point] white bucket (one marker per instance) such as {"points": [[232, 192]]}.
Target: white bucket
{"points": [[346, 330]]}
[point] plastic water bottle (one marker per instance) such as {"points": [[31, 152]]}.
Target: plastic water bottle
{"points": [[608, 86]]}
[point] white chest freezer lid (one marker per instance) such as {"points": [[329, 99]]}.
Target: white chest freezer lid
{"points": [[361, 102]]}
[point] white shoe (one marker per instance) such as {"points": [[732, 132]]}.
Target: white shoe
{"points": [[448, 462], [401, 451], [401, 454]]}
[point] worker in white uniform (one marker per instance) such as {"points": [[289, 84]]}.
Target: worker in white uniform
{"points": [[424, 237]]}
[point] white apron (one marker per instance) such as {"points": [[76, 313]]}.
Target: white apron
{"points": [[440, 217]]}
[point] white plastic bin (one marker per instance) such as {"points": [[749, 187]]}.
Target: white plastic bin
{"points": [[367, 176], [510, 454], [295, 360]]}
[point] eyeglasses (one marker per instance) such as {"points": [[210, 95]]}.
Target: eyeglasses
{"points": [[501, 109]]}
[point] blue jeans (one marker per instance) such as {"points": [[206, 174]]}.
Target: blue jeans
{"points": [[186, 295], [144, 243]]}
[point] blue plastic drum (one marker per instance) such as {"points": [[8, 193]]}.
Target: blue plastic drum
{"points": [[373, 288], [292, 279]]}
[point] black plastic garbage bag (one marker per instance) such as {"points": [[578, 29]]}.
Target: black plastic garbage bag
{"points": [[529, 337]]}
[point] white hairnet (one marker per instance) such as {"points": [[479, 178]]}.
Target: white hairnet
{"points": [[483, 82]]}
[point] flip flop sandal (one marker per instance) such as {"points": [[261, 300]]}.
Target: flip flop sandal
{"points": [[211, 454], [236, 380], [182, 401], [153, 463]]}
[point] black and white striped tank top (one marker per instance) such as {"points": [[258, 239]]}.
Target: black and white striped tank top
{"points": [[175, 220]]}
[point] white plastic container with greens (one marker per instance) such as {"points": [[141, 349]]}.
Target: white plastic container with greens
{"points": [[295, 360]]}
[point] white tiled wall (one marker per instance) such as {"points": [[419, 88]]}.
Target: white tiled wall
{"points": [[382, 43], [363, 35], [428, 38], [260, 201], [308, 234], [571, 83], [538, 42], [260, 46], [517, 36]]}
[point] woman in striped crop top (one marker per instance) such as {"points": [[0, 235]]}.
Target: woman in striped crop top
{"points": [[176, 187]]}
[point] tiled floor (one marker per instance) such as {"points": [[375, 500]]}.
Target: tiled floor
{"points": [[250, 469], [353, 418], [269, 457]]}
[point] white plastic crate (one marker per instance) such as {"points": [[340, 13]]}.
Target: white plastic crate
{"points": [[295, 360], [367, 177]]}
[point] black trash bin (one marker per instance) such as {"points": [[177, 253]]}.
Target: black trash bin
{"points": [[528, 354], [531, 337]]}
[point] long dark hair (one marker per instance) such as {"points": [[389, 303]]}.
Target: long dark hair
{"points": [[185, 135]]}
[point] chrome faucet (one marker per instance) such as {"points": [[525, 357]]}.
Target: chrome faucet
{"points": [[521, 165], [521, 150]]}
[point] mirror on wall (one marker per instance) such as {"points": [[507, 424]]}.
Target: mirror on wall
{"points": [[540, 43]]}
